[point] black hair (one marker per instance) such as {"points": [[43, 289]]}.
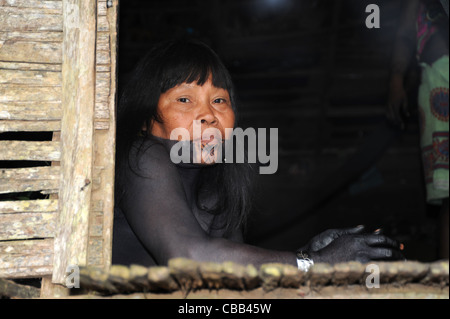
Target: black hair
{"points": [[167, 65]]}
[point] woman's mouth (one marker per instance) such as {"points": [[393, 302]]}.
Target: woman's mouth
{"points": [[211, 141], [207, 141], [207, 148]]}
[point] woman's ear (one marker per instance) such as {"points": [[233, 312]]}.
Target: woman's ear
{"points": [[146, 128], [155, 128]]}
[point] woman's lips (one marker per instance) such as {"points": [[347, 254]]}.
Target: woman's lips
{"points": [[207, 148], [208, 141], [204, 141]]}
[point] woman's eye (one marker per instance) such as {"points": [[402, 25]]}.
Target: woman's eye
{"points": [[183, 100], [219, 101]]}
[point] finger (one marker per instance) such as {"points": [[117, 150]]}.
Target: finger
{"points": [[378, 231], [380, 240], [380, 253], [351, 231]]}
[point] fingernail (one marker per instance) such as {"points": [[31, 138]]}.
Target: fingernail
{"points": [[376, 231]]}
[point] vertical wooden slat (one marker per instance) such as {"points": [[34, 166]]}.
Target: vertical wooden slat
{"points": [[78, 100], [48, 289], [100, 240], [109, 139]]}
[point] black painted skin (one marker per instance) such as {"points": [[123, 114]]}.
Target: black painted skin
{"points": [[159, 218]]}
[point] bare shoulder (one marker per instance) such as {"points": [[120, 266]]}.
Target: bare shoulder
{"points": [[151, 158]]}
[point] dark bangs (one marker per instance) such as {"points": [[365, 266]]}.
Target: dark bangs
{"points": [[189, 62]]}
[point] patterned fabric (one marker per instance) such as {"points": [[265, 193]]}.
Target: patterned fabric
{"points": [[433, 110], [425, 30], [427, 19]]}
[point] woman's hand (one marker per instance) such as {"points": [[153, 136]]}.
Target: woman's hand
{"points": [[342, 245], [397, 109], [325, 238]]}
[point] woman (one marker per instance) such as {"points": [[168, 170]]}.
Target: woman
{"points": [[198, 211], [423, 34]]}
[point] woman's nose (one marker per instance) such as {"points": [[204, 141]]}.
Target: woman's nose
{"points": [[206, 115]]}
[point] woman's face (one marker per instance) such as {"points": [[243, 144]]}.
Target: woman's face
{"points": [[190, 105]]}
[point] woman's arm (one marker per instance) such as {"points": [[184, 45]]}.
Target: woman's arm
{"points": [[402, 55], [405, 41], [157, 210]]}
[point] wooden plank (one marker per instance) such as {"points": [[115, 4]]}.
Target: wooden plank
{"points": [[55, 6], [103, 80], [95, 252], [29, 151], [103, 57], [96, 184], [41, 36], [36, 78], [97, 206], [102, 94], [103, 68], [11, 65], [29, 206], [103, 41], [37, 19], [30, 111], [27, 226], [102, 10], [30, 51], [48, 289], [23, 93], [29, 179], [78, 97], [102, 24], [30, 19], [102, 125], [103, 84], [10, 289], [105, 154], [102, 110], [95, 224], [29, 126], [26, 258]]}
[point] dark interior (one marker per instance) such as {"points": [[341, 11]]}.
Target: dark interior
{"points": [[315, 71]]}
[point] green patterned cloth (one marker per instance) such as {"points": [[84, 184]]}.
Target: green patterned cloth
{"points": [[433, 110]]}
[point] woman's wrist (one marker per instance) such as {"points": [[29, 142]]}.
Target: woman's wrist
{"points": [[304, 260]]}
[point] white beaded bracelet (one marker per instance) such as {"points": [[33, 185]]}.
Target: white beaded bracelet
{"points": [[303, 262]]}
